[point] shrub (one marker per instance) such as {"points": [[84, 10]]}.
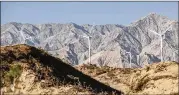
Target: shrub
{"points": [[4, 63], [100, 71], [14, 72], [111, 74]]}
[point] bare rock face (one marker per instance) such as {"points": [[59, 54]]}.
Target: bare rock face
{"points": [[109, 43]]}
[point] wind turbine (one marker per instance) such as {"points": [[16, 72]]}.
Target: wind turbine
{"points": [[161, 35], [129, 56], [138, 59], [30, 39], [89, 42], [23, 37], [174, 54]]}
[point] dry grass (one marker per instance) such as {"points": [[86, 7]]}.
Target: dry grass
{"points": [[147, 80], [48, 73]]}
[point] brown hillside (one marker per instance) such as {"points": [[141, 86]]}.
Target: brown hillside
{"points": [[28, 70], [157, 78]]}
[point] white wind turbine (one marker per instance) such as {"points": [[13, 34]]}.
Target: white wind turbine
{"points": [[129, 56], [23, 37], [161, 35], [89, 42], [138, 59], [30, 39], [174, 55]]}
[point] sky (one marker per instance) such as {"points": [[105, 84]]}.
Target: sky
{"points": [[122, 13]]}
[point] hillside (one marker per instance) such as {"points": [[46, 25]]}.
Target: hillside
{"points": [[28, 70], [157, 78], [65, 41]]}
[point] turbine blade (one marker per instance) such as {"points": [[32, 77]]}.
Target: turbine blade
{"points": [[166, 30], [50, 45], [29, 37], [84, 36], [75, 41], [175, 50], [154, 32], [168, 27]]}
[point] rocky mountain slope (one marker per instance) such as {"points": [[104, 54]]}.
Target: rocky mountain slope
{"points": [[109, 42], [156, 78], [28, 70]]}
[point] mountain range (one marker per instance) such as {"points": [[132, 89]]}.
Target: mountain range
{"points": [[109, 43]]}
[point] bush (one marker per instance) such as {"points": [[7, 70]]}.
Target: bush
{"points": [[14, 72], [4, 63], [111, 74]]}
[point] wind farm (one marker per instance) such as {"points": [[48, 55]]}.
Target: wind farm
{"points": [[104, 40], [89, 48]]}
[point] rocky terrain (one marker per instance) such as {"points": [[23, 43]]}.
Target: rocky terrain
{"points": [[28, 70], [156, 78], [109, 43]]}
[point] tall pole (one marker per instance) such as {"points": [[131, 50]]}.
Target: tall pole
{"points": [[130, 60], [138, 57], [129, 56], [161, 48], [22, 37], [173, 56], [89, 47], [89, 43]]}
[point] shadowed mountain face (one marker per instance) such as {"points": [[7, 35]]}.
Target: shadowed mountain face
{"points": [[45, 68], [109, 43]]}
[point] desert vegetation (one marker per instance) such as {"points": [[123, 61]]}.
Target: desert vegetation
{"points": [[152, 79], [30, 70]]}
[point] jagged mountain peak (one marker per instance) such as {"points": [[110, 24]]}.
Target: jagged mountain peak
{"points": [[14, 23], [151, 18], [155, 16], [108, 37]]}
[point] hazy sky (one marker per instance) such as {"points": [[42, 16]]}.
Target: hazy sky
{"points": [[84, 12]]}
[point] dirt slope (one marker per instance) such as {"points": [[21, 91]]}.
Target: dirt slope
{"points": [[157, 78], [28, 70]]}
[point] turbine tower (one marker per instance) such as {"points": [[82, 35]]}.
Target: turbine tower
{"points": [[23, 37], [129, 56], [161, 35], [174, 55], [89, 42], [138, 59]]}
